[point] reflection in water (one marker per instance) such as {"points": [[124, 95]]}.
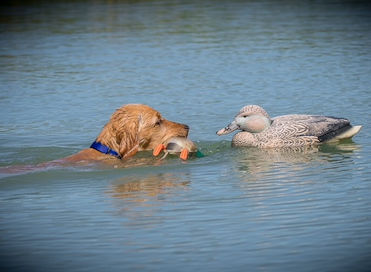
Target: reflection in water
{"points": [[260, 162], [344, 147], [139, 189], [138, 198]]}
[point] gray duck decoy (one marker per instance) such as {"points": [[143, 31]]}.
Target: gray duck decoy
{"points": [[294, 130]]}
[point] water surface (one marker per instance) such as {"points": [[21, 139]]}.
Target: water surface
{"points": [[65, 67]]}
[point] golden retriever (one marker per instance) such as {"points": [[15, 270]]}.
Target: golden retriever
{"points": [[132, 128]]}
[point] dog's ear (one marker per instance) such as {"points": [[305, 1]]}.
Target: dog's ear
{"points": [[121, 133], [127, 138], [126, 127]]}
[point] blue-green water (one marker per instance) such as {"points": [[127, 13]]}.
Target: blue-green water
{"points": [[65, 67]]}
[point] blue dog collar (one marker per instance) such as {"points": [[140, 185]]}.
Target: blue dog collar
{"points": [[104, 149]]}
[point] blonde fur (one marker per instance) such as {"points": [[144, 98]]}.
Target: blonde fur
{"points": [[133, 128]]}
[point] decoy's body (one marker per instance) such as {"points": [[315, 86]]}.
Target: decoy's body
{"points": [[259, 130]]}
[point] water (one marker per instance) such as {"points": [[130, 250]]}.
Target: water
{"points": [[65, 67]]}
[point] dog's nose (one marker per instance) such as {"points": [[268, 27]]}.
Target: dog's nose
{"points": [[186, 127]]}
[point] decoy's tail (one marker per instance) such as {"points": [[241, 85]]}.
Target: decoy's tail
{"points": [[349, 133]]}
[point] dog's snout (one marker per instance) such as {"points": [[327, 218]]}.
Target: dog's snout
{"points": [[186, 127]]}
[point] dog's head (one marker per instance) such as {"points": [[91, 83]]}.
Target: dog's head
{"points": [[137, 127]]}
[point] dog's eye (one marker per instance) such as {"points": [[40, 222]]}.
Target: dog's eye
{"points": [[158, 123]]}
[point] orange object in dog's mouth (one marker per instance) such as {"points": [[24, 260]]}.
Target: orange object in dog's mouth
{"points": [[176, 145]]}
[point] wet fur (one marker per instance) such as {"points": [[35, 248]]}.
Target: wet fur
{"points": [[131, 128]]}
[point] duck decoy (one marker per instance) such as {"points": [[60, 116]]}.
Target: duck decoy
{"points": [[259, 130], [176, 145]]}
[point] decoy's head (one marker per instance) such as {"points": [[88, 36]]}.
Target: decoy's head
{"points": [[251, 118]]}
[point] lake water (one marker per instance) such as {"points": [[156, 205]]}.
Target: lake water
{"points": [[65, 67]]}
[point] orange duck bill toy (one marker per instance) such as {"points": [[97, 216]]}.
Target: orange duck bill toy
{"points": [[177, 145]]}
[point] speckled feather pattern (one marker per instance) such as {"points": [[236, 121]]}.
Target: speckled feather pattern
{"points": [[290, 130]]}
